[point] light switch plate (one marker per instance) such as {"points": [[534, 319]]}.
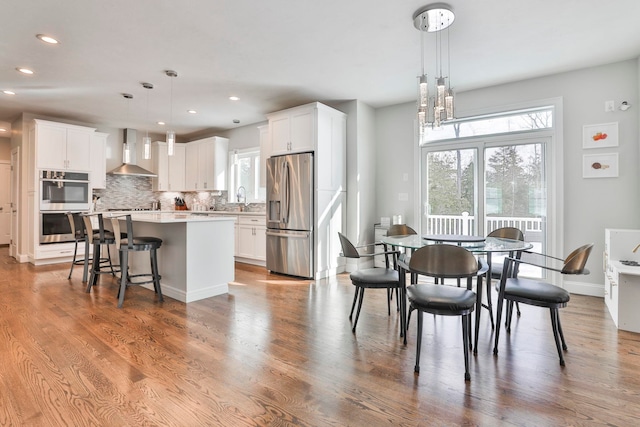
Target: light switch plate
{"points": [[609, 106]]}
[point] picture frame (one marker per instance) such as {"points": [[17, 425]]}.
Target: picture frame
{"points": [[600, 135], [600, 165]]}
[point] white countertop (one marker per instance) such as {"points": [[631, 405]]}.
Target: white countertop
{"points": [[626, 269], [168, 216]]}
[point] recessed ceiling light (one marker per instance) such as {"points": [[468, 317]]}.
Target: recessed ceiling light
{"points": [[234, 98], [3, 130], [8, 92], [24, 70], [191, 111], [161, 123], [47, 39]]}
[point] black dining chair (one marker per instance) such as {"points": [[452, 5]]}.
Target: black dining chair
{"points": [[131, 243], [539, 292], [512, 233], [443, 261], [371, 278]]}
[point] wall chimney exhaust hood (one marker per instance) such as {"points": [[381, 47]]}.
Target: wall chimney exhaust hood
{"points": [[131, 168]]}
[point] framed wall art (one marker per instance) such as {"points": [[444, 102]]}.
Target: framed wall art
{"points": [[598, 136], [600, 165]]}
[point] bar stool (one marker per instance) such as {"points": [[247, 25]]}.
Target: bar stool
{"points": [[135, 244], [97, 239], [80, 236]]}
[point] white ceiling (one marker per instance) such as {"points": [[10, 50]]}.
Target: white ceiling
{"points": [[280, 53]]}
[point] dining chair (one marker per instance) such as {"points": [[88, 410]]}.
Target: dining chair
{"points": [[370, 278], [539, 292], [443, 261], [512, 233], [399, 230], [131, 243]]}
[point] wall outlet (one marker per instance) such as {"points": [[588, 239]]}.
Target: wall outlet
{"points": [[403, 197], [609, 106]]}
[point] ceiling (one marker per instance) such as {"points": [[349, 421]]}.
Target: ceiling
{"points": [[280, 53]]}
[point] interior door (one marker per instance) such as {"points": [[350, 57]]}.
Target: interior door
{"points": [[15, 172], [5, 203]]}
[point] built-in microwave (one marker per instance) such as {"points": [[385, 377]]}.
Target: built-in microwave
{"points": [[64, 191]]}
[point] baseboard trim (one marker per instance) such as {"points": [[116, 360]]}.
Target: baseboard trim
{"points": [[583, 288]]}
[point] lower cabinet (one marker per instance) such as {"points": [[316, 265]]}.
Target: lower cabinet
{"points": [[252, 241]]}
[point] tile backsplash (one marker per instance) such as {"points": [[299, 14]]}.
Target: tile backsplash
{"points": [[135, 192]]}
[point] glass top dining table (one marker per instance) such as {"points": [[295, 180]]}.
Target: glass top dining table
{"points": [[487, 245]]}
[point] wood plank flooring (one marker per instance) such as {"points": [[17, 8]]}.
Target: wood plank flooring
{"points": [[277, 351]]}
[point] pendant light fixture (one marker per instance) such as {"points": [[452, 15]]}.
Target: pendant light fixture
{"points": [[171, 135], [432, 111], [146, 140], [126, 150]]}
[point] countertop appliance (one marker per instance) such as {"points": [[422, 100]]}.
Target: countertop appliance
{"points": [[290, 215], [64, 191]]}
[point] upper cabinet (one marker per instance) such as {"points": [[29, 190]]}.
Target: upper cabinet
{"points": [[318, 128], [206, 164], [62, 147], [293, 130], [170, 170], [98, 160]]}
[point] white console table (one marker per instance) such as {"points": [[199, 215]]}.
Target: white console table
{"points": [[622, 282]]}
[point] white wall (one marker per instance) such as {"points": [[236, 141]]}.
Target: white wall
{"points": [[590, 205], [5, 148]]}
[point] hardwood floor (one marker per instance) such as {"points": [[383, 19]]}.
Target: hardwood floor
{"points": [[279, 351]]}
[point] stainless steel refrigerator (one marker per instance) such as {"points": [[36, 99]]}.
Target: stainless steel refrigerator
{"points": [[290, 215]]}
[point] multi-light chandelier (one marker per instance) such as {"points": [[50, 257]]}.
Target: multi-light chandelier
{"points": [[434, 109]]}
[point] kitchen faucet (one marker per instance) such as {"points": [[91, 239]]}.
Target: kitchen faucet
{"points": [[241, 196]]}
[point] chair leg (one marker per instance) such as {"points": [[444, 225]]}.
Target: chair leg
{"points": [[518, 309], [156, 275], [95, 268], [113, 272], [466, 320], [419, 343], [498, 319], [489, 303], [86, 261], [478, 310], [564, 344], [75, 250], [355, 322], [554, 325], [509, 316], [355, 298], [124, 271], [389, 296]]}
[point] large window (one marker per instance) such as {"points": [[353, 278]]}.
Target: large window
{"points": [[475, 184], [244, 171]]}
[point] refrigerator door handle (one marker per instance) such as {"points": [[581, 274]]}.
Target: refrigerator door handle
{"points": [[299, 235], [286, 193]]}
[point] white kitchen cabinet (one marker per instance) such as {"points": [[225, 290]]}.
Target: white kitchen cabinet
{"points": [[62, 147], [170, 170], [293, 130], [622, 282], [252, 243], [265, 153], [206, 164], [98, 175]]}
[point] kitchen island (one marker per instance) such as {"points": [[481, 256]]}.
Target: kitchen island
{"points": [[196, 257]]}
